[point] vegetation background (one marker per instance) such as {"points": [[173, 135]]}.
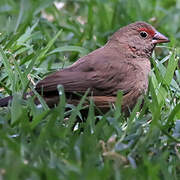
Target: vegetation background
{"points": [[38, 37]]}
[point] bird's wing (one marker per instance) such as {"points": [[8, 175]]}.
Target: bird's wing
{"points": [[103, 75]]}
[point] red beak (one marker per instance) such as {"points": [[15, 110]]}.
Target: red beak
{"points": [[160, 38]]}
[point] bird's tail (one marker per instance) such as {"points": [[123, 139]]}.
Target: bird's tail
{"points": [[51, 101], [4, 101]]}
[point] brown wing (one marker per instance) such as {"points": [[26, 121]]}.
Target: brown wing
{"points": [[100, 71]]}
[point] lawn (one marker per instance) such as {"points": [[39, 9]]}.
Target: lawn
{"points": [[39, 37]]}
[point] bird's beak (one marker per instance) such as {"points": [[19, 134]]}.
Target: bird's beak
{"points": [[160, 38]]}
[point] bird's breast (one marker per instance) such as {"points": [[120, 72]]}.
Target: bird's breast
{"points": [[144, 68]]}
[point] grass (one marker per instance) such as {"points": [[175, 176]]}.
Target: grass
{"points": [[146, 145]]}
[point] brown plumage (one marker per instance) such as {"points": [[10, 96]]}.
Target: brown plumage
{"points": [[121, 64]]}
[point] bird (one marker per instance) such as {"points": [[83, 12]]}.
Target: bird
{"points": [[122, 64]]}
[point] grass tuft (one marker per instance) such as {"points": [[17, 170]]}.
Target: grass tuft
{"points": [[36, 38]]}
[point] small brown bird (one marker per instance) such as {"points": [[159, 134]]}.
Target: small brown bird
{"points": [[121, 64]]}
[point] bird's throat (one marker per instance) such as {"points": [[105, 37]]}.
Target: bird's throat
{"points": [[145, 52]]}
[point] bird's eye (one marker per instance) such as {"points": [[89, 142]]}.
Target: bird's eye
{"points": [[143, 34]]}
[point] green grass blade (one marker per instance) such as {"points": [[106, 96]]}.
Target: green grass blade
{"points": [[7, 65], [172, 64], [46, 49]]}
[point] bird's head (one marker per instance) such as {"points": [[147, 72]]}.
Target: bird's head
{"points": [[139, 38]]}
